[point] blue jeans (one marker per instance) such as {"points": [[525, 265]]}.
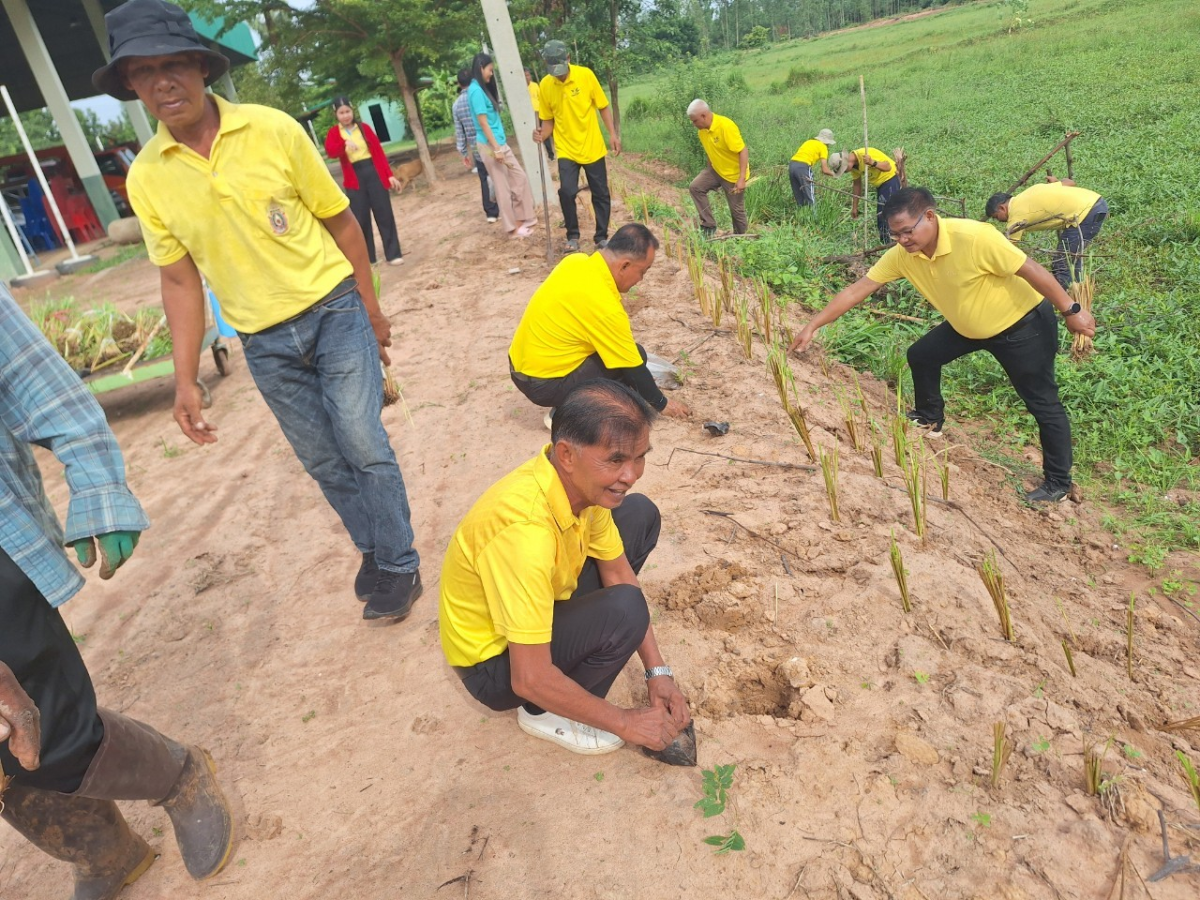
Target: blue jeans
{"points": [[320, 376], [1067, 264]]}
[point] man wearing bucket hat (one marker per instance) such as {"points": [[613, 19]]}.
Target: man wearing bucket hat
{"points": [[68, 759], [240, 194], [811, 152], [569, 98]]}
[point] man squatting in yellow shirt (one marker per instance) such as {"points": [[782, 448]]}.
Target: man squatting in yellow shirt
{"points": [[540, 603], [728, 167], [991, 295], [568, 100], [575, 328], [240, 194], [1076, 213]]}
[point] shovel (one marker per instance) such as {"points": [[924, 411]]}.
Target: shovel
{"points": [[680, 752]]}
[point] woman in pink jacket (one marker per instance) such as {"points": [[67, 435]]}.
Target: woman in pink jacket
{"points": [[366, 177]]}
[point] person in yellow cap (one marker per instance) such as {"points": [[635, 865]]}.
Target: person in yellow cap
{"points": [[1076, 213], [813, 151], [882, 172], [728, 167]]}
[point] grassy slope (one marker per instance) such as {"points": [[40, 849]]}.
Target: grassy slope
{"points": [[974, 106]]}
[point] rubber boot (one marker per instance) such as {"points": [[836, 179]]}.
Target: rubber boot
{"points": [[135, 762], [91, 835]]}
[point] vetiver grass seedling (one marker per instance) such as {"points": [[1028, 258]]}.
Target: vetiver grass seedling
{"points": [[800, 423], [943, 472], [900, 572], [993, 580], [1001, 751], [850, 417], [1190, 775], [781, 373], [829, 469], [763, 313], [745, 328], [1070, 659], [1083, 292], [878, 440], [717, 783], [1093, 768], [915, 483]]}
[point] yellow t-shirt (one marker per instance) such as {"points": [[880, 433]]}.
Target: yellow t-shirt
{"points": [[516, 553], [877, 176], [576, 312], [970, 279], [354, 133], [811, 152], [1048, 206], [723, 142], [249, 215], [535, 98], [573, 105]]}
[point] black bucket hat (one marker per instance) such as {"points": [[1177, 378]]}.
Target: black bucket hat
{"points": [[150, 28]]}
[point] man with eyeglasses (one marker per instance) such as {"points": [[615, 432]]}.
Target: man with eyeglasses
{"points": [[994, 298]]}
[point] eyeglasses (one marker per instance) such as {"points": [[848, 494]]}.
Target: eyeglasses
{"points": [[905, 232]]}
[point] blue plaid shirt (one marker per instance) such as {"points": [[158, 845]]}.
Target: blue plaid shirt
{"points": [[464, 126], [43, 402]]}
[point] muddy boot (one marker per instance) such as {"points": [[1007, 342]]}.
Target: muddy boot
{"points": [[89, 834], [135, 762]]}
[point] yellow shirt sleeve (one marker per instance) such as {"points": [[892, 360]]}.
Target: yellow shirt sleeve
{"points": [[604, 541], [997, 256], [515, 572], [887, 268], [733, 137], [162, 247], [598, 97], [612, 336], [310, 176]]}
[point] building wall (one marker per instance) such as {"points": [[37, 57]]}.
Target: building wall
{"points": [[386, 118]]}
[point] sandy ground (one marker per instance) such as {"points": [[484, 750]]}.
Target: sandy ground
{"points": [[863, 736]]}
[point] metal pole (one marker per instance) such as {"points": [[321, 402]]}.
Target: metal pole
{"points": [[37, 168], [15, 235]]}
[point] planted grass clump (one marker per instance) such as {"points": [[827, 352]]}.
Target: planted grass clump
{"points": [[1001, 750], [745, 327], [900, 572], [1093, 767], [94, 339], [993, 580], [878, 441], [829, 470], [850, 417], [1083, 292], [915, 484]]}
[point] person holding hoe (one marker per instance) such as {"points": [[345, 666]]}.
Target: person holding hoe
{"points": [[240, 194], [540, 603], [69, 760], [995, 299]]}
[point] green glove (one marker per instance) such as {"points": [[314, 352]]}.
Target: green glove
{"points": [[115, 548]]}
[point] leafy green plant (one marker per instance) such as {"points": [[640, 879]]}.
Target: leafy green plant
{"points": [[921, 677], [983, 819], [716, 784], [726, 842], [1041, 745], [1190, 775]]}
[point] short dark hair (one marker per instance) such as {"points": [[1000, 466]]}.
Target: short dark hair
{"points": [[994, 203], [601, 412], [634, 240], [464, 77], [911, 200]]}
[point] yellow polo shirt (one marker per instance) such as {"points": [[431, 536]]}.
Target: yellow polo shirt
{"points": [[573, 105], [576, 312], [516, 553], [354, 133], [877, 176], [723, 142], [970, 279], [1048, 206], [811, 152], [535, 97], [249, 215]]}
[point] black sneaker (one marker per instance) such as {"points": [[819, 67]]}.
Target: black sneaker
{"points": [[394, 595], [364, 581], [931, 427], [1047, 494], [708, 233]]}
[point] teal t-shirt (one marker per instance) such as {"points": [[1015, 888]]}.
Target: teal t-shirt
{"points": [[481, 105]]}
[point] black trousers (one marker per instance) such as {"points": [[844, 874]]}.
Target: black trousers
{"points": [[596, 631], [36, 645], [490, 209], [1026, 352], [568, 187], [372, 197], [882, 195], [1067, 264], [552, 392]]}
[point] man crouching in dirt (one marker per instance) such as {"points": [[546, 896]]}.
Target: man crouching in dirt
{"points": [[68, 760], [540, 603], [240, 194]]}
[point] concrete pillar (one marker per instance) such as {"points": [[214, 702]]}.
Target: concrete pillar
{"points": [[10, 261], [511, 72], [228, 91], [51, 88], [141, 122]]}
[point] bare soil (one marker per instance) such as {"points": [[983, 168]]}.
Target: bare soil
{"points": [[359, 767]]}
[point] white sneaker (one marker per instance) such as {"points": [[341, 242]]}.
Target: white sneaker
{"points": [[492, 220], [548, 419], [575, 736]]}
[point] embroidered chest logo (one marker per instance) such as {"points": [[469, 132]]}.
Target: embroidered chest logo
{"points": [[278, 219], [574, 92]]}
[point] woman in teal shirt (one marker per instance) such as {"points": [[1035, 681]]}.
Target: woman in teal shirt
{"points": [[513, 194]]}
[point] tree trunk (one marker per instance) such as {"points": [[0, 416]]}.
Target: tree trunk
{"points": [[414, 116]]}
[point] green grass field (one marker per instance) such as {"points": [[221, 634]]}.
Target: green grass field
{"points": [[974, 106]]}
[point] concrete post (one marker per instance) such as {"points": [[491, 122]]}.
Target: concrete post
{"points": [[228, 91], [511, 72], [133, 108], [140, 120], [51, 88]]}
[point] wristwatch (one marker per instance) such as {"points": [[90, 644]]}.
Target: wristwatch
{"points": [[659, 670], [1071, 310]]}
